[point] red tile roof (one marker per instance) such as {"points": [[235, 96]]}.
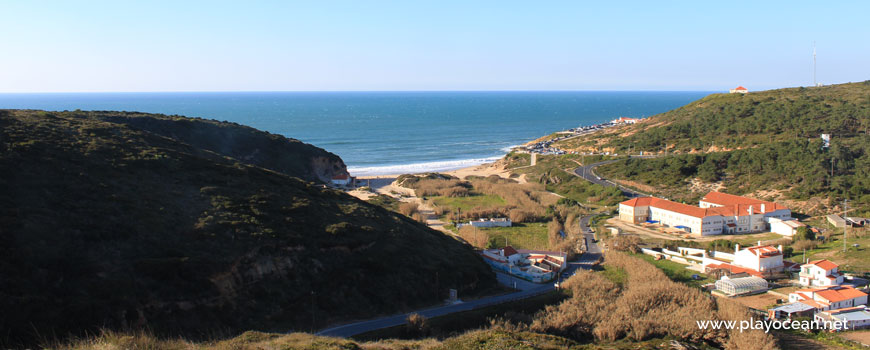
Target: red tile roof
{"points": [[824, 263], [764, 250], [735, 269], [743, 203], [837, 294], [740, 88], [508, 251], [698, 212]]}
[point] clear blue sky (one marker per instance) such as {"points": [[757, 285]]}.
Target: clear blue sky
{"points": [[50, 46]]}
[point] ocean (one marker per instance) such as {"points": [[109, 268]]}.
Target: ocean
{"points": [[380, 133]]}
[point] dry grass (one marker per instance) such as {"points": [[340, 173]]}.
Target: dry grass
{"points": [[526, 202], [474, 236], [758, 301], [408, 209], [649, 305], [247, 341]]}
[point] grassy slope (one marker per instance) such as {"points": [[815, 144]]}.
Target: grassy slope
{"points": [[758, 142], [495, 339], [104, 225], [555, 173]]}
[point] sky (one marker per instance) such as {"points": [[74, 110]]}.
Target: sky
{"points": [[132, 46]]}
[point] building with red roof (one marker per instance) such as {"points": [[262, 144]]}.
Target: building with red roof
{"points": [[829, 298], [739, 90], [342, 179], [820, 273], [717, 213]]}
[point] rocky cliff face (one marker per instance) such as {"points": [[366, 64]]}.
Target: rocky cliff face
{"points": [[242, 143]]}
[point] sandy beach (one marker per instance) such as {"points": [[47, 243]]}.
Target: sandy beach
{"points": [[385, 184]]}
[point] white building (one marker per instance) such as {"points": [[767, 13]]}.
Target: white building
{"points": [[764, 259], [495, 222], [830, 298], [532, 265], [341, 180], [820, 273], [785, 227], [505, 255], [738, 90], [625, 120], [717, 213], [848, 319]]}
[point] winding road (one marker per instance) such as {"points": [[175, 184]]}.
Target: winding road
{"points": [[588, 172], [525, 289]]}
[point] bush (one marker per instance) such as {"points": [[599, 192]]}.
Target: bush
{"points": [[417, 325], [408, 209], [804, 234], [804, 245]]}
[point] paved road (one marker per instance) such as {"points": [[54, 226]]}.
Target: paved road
{"points": [[593, 251], [525, 289], [588, 172]]}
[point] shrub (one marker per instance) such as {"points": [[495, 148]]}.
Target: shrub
{"points": [[408, 209], [801, 245], [417, 325]]}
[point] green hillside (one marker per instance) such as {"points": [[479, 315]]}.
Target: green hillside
{"points": [[129, 221], [767, 141]]}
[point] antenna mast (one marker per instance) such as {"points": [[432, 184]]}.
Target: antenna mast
{"points": [[814, 64]]}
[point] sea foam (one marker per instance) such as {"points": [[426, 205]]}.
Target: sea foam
{"points": [[419, 167]]}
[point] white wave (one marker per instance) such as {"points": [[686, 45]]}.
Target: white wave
{"points": [[509, 148], [416, 168]]}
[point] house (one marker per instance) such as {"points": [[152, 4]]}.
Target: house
{"points": [[765, 259], [742, 285], [820, 273], [625, 120], [826, 140], [342, 179], [532, 265], [786, 228], [856, 221], [846, 319], [760, 261], [717, 213], [830, 298], [791, 310], [738, 90]]}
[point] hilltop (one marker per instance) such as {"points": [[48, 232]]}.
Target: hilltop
{"points": [[764, 143], [197, 228]]}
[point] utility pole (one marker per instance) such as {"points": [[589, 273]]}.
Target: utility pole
{"points": [[845, 223], [313, 314]]}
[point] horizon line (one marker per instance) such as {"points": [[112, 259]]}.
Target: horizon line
{"points": [[343, 91]]}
